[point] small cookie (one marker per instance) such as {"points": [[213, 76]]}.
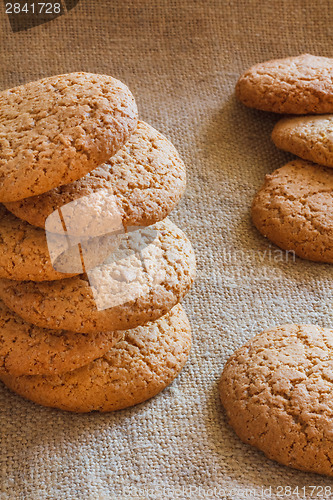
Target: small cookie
{"points": [[277, 393], [146, 178], [310, 137], [294, 209], [295, 85], [134, 370], [128, 290], [24, 253], [58, 129], [26, 349]]}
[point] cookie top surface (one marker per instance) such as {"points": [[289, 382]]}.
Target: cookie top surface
{"points": [[310, 137], [56, 130], [295, 85], [134, 370], [24, 253], [146, 178], [294, 209], [129, 289], [26, 349], [277, 393]]}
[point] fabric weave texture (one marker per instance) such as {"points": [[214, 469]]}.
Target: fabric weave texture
{"points": [[181, 59]]}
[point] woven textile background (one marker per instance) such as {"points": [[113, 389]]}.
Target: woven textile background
{"points": [[181, 59]]}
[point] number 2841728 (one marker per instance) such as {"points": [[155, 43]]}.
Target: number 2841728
{"points": [[33, 8]]}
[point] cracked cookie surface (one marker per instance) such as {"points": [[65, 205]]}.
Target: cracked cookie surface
{"points": [[295, 85], [146, 178], [310, 137], [134, 370], [26, 349], [56, 130], [128, 290], [24, 253], [277, 393], [294, 209]]}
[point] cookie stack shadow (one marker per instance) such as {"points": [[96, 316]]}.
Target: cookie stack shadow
{"points": [[92, 270]]}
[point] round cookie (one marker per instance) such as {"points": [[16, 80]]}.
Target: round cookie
{"points": [[56, 130], [294, 209], [146, 177], [24, 253], [295, 85], [120, 294], [134, 370], [277, 393], [310, 137], [26, 349]]}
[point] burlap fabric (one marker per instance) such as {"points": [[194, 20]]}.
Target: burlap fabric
{"points": [[181, 59]]}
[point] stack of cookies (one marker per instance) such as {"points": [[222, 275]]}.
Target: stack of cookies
{"points": [[92, 271], [294, 207], [277, 388]]}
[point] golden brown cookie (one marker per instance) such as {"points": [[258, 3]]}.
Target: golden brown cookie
{"points": [[310, 137], [277, 393], [295, 85], [26, 349], [294, 209], [146, 178], [58, 129], [134, 370], [128, 290], [24, 253]]}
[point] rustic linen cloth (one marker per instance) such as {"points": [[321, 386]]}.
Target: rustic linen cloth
{"points": [[181, 59]]}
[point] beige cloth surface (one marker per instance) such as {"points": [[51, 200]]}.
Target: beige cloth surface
{"points": [[181, 59]]}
